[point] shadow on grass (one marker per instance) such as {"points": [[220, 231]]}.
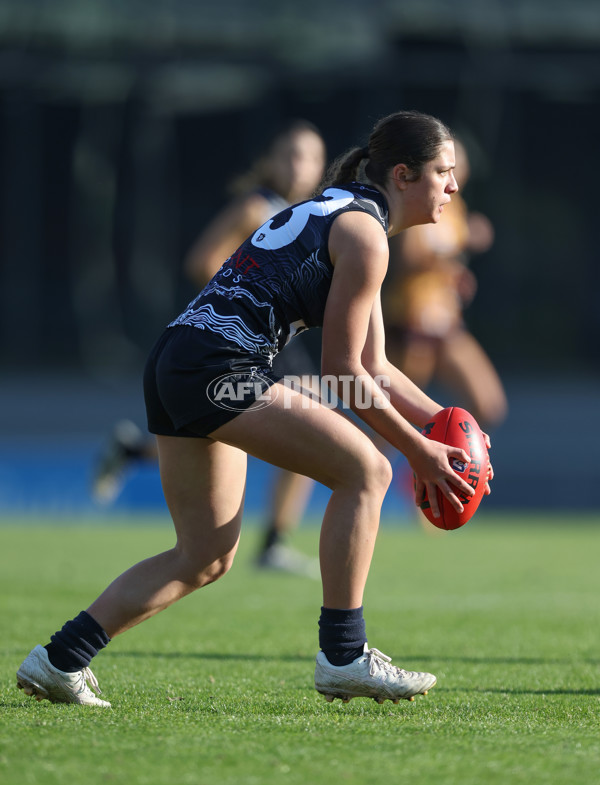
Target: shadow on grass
{"points": [[246, 656], [501, 660], [523, 691]]}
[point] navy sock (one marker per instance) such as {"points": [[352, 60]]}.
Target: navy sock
{"points": [[342, 634], [72, 648], [272, 537]]}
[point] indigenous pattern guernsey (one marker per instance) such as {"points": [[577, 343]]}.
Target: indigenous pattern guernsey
{"points": [[276, 283]]}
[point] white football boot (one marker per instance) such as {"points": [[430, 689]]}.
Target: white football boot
{"points": [[37, 676], [369, 676], [285, 559]]}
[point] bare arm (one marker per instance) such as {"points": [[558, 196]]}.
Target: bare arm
{"points": [[353, 346], [405, 396], [222, 236]]}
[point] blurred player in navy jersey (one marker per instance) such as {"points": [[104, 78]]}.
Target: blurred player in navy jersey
{"points": [[289, 171]]}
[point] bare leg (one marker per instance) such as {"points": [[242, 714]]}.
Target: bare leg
{"points": [[416, 356], [290, 497], [465, 367], [326, 446], [203, 483], [291, 491]]}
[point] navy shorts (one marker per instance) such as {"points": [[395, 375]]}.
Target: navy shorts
{"points": [[195, 381]]}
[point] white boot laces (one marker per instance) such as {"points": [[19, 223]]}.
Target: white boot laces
{"points": [[378, 661], [88, 676]]}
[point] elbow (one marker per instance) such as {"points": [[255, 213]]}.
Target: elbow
{"points": [[374, 364], [334, 366], [366, 366]]}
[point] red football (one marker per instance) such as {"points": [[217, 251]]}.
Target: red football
{"points": [[457, 427]]}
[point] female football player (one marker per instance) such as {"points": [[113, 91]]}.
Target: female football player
{"points": [[212, 398]]}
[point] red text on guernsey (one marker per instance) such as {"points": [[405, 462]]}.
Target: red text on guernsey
{"points": [[243, 264]]}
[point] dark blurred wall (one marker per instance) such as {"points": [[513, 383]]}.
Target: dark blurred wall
{"points": [[117, 146]]}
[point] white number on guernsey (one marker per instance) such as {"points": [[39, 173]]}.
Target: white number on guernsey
{"points": [[272, 239]]}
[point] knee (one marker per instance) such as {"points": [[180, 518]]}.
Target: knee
{"points": [[380, 473], [200, 569], [371, 471], [215, 570]]}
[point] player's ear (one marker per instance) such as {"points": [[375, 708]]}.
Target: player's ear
{"points": [[401, 175]]}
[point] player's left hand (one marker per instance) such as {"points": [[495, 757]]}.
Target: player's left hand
{"points": [[490, 474]]}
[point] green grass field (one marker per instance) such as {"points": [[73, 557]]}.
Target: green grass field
{"points": [[218, 689]]}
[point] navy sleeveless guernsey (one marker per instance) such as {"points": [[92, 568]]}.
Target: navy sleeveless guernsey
{"points": [[277, 282]]}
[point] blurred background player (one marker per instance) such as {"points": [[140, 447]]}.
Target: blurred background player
{"points": [[289, 172], [428, 287]]}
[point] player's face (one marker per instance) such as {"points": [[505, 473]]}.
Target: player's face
{"points": [[425, 198], [298, 162]]}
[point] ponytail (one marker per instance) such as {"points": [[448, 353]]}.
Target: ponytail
{"points": [[345, 169]]}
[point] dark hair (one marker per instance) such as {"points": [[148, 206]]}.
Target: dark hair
{"points": [[406, 137]]}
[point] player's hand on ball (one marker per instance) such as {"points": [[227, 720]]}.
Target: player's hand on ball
{"points": [[448, 505], [490, 474], [433, 469]]}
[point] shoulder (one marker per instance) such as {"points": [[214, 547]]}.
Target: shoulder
{"points": [[360, 233], [358, 249], [248, 212], [275, 201], [363, 222]]}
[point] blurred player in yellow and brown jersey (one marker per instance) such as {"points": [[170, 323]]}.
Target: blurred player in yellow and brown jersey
{"points": [[429, 286]]}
